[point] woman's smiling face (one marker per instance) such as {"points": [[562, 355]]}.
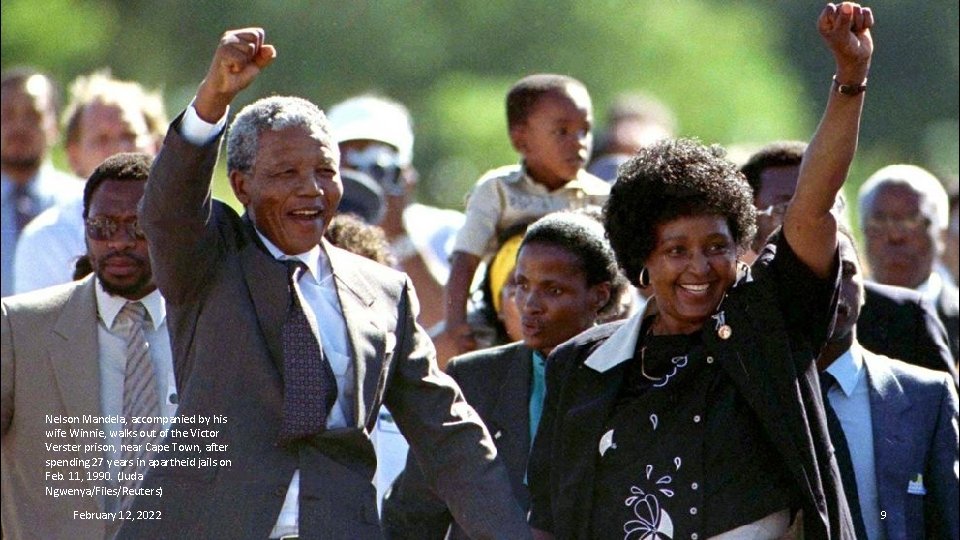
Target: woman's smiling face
{"points": [[691, 267]]}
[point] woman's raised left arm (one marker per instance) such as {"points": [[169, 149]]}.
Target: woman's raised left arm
{"points": [[809, 225]]}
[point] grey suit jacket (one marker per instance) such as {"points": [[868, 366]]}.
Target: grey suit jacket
{"points": [[227, 299], [50, 367], [496, 382], [914, 413]]}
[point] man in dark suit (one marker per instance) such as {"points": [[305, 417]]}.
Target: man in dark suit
{"points": [[901, 325], [904, 215], [566, 277], [896, 436], [496, 382], [288, 344]]}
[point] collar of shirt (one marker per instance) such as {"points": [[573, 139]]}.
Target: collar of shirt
{"points": [[8, 185], [930, 289], [315, 259], [622, 344], [581, 182], [109, 306], [848, 369]]}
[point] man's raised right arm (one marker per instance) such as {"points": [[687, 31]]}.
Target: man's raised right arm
{"points": [[177, 212]]}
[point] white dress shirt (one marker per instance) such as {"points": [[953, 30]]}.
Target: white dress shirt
{"points": [[49, 188], [850, 399], [49, 247], [113, 363], [320, 303]]}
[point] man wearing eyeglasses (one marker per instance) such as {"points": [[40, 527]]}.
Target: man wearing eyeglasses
{"points": [[894, 321], [904, 213], [79, 362]]}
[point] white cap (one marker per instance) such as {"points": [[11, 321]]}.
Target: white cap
{"points": [[376, 119]]}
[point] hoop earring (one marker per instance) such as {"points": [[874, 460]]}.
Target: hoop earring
{"points": [[644, 279]]}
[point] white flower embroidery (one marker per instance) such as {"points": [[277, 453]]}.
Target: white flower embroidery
{"points": [[653, 522]]}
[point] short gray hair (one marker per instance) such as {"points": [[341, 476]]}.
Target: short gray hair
{"points": [[272, 113], [916, 178]]}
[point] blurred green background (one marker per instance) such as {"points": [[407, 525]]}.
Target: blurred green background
{"points": [[736, 73]]}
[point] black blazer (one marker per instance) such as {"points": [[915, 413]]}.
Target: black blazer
{"points": [[772, 367], [898, 323], [496, 382]]}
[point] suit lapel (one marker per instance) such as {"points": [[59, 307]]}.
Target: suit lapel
{"points": [[891, 445], [266, 281], [511, 412], [74, 353], [75, 360], [368, 341], [770, 391], [583, 426]]}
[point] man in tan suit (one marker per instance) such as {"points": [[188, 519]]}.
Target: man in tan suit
{"points": [[65, 360]]}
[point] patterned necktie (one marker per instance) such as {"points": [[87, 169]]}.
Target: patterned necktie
{"points": [[842, 449], [140, 398], [309, 385]]}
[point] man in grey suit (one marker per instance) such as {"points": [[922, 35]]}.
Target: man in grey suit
{"points": [[65, 360], [893, 426], [288, 343], [566, 278]]}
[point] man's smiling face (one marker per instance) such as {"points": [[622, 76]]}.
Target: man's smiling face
{"points": [[293, 189]]}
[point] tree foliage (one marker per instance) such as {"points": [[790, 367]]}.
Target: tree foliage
{"points": [[734, 72]]}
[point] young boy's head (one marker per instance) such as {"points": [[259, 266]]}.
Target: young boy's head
{"points": [[549, 117]]}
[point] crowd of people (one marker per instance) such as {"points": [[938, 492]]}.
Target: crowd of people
{"points": [[643, 341]]}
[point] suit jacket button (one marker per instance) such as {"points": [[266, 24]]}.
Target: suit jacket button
{"points": [[280, 491]]}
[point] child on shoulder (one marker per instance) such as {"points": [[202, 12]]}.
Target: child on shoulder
{"points": [[549, 118]]}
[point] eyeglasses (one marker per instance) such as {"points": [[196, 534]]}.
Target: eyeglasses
{"points": [[878, 225], [774, 210], [106, 228]]}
